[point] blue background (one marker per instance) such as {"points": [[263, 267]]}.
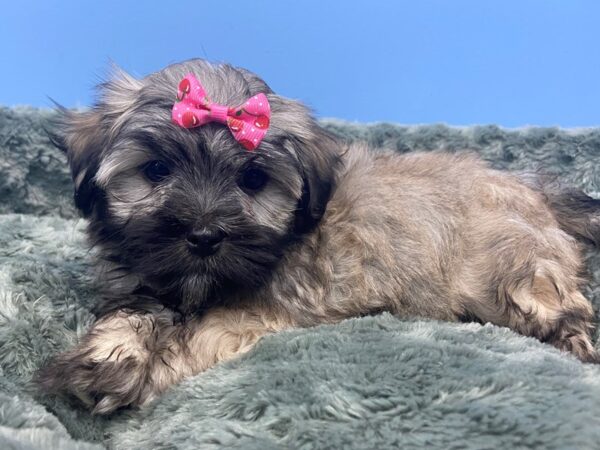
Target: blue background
{"points": [[510, 62]]}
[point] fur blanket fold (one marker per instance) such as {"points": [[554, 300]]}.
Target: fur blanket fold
{"points": [[373, 382]]}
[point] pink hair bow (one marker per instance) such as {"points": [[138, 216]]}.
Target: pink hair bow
{"points": [[248, 123]]}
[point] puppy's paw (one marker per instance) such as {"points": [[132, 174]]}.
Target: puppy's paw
{"points": [[102, 385], [109, 369]]}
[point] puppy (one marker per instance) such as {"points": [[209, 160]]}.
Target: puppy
{"points": [[205, 246]]}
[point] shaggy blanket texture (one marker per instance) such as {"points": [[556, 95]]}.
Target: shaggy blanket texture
{"points": [[374, 382]]}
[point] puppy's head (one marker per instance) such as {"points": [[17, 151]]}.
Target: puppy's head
{"points": [[190, 212]]}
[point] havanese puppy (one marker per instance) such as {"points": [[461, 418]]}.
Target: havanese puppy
{"points": [[223, 212]]}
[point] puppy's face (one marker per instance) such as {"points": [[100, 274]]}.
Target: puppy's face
{"points": [[190, 213]]}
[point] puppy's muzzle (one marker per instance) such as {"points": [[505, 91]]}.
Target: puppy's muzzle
{"points": [[205, 241]]}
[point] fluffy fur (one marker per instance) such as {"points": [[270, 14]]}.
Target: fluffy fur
{"points": [[336, 232]]}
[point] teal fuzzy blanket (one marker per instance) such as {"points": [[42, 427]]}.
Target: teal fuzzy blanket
{"points": [[373, 382]]}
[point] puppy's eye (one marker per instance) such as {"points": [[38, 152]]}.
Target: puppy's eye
{"points": [[156, 171], [253, 179]]}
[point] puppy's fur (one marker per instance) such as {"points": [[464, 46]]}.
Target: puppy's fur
{"points": [[338, 231]]}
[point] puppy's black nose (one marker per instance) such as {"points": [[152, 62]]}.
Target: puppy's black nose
{"points": [[205, 241]]}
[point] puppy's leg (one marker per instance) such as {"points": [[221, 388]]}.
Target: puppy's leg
{"points": [[108, 369], [546, 308], [541, 298], [521, 270], [220, 334], [129, 358]]}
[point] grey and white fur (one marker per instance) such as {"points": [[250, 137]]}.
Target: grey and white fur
{"points": [[205, 247]]}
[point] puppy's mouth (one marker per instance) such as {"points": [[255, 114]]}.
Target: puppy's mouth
{"points": [[199, 264], [206, 276]]}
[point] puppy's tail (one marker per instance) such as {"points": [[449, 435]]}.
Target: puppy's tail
{"points": [[576, 212]]}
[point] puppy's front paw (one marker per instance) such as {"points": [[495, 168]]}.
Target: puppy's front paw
{"points": [[109, 368], [102, 384]]}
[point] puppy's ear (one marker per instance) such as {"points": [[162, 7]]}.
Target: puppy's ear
{"points": [[319, 156], [80, 136], [317, 152], [84, 135]]}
